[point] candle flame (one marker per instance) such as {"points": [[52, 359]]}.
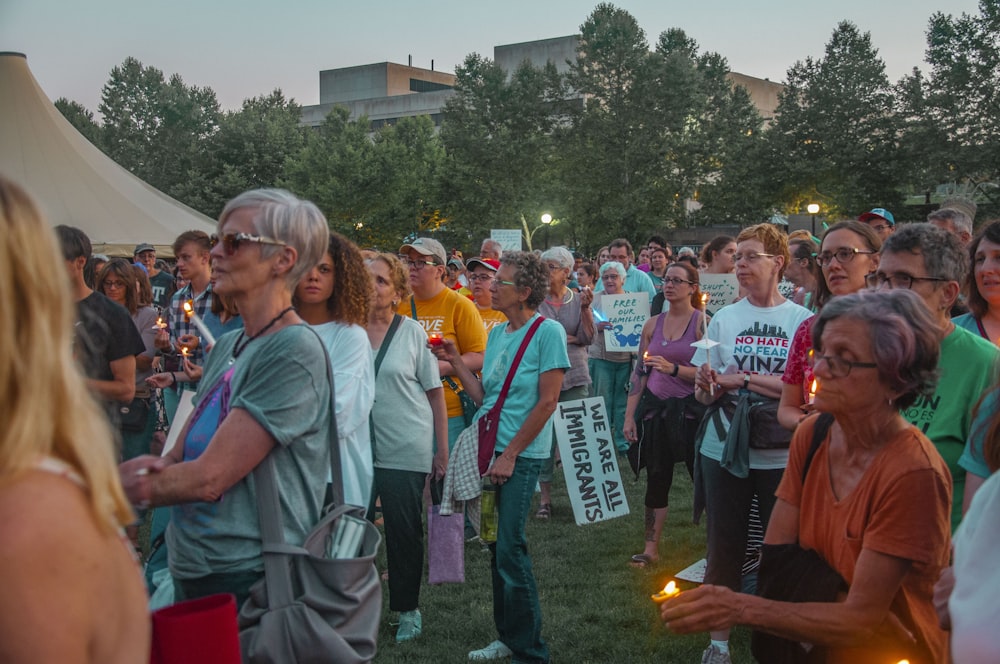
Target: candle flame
{"points": [[184, 351], [670, 588], [903, 661], [704, 299], [813, 387], [189, 308]]}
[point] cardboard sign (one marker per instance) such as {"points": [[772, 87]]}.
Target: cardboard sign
{"points": [[722, 289], [509, 238], [590, 461], [627, 313]]}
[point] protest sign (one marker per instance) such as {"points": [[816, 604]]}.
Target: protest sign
{"points": [[722, 289], [590, 461], [627, 313], [509, 238]]}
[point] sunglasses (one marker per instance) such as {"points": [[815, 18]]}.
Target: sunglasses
{"points": [[231, 241]]}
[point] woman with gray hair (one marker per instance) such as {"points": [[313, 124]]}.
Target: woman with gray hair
{"points": [[571, 310], [264, 392], [524, 440], [610, 370], [865, 497]]}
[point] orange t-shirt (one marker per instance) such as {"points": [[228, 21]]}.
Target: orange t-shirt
{"points": [[491, 318], [900, 508]]}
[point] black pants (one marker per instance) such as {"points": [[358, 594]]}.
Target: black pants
{"points": [[402, 494]]}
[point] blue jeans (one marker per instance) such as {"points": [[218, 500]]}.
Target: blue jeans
{"points": [[610, 380], [517, 612]]}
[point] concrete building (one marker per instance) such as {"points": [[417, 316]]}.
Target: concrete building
{"points": [[386, 91]]}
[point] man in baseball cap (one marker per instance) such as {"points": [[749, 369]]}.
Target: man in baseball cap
{"points": [[161, 282], [426, 246], [881, 221]]}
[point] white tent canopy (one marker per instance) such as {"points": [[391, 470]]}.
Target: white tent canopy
{"points": [[73, 181]]}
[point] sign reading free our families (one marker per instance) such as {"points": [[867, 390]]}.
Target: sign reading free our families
{"points": [[589, 460], [626, 313]]}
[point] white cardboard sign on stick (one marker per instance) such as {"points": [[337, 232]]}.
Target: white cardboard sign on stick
{"points": [[509, 238], [722, 289], [589, 460]]}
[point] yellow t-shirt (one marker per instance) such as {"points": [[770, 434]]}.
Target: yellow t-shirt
{"points": [[456, 318], [491, 318]]}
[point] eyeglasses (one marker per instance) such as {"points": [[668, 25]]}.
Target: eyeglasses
{"points": [[231, 241], [751, 257], [114, 284], [878, 280], [480, 278], [415, 265], [879, 228], [501, 282], [676, 281], [555, 266], [843, 256], [838, 366]]}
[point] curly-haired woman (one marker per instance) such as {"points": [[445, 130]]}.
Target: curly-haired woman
{"points": [[334, 298]]}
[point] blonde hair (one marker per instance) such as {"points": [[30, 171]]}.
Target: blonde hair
{"points": [[45, 406]]}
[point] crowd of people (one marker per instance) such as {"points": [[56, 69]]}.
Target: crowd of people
{"points": [[844, 403]]}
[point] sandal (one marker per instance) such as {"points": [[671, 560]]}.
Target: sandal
{"points": [[642, 560], [544, 511]]}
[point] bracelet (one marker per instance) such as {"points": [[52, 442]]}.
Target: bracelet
{"points": [[677, 368], [173, 379], [746, 381]]}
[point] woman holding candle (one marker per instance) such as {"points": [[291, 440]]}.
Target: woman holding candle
{"points": [[72, 589], [524, 440], [265, 392], [662, 415], [739, 458], [609, 370], [334, 298], [848, 254], [119, 281], [571, 310], [586, 276], [409, 413], [869, 495]]}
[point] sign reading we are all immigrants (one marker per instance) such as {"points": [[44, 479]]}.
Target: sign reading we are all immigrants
{"points": [[590, 461]]}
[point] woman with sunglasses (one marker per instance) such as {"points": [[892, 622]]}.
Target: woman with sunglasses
{"points": [[119, 281], [739, 458], [865, 496], [334, 297], [848, 254], [662, 415], [265, 393]]}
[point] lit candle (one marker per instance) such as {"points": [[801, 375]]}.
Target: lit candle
{"points": [[668, 591], [185, 353], [206, 336], [435, 338], [159, 323], [812, 391]]}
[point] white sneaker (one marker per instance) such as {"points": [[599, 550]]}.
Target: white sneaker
{"points": [[496, 650], [713, 655]]}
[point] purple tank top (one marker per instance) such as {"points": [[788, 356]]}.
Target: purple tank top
{"points": [[679, 351]]}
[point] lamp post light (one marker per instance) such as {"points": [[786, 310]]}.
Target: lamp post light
{"points": [[546, 221], [812, 209]]}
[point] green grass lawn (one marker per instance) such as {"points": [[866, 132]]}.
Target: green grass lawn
{"points": [[595, 607]]}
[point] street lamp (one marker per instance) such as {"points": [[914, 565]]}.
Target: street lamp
{"points": [[812, 209], [546, 220]]}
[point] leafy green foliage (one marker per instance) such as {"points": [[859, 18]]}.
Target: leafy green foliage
{"points": [[81, 118]]}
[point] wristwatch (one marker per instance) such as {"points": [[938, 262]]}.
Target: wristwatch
{"points": [[677, 368], [746, 381]]}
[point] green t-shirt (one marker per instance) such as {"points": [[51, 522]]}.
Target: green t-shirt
{"points": [[967, 369], [281, 381]]}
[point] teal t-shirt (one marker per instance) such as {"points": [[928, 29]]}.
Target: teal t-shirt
{"points": [[281, 381], [546, 351], [967, 368], [972, 458]]}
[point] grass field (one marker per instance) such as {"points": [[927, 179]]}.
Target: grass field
{"points": [[595, 607]]}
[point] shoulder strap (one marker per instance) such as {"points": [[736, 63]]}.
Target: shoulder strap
{"points": [[413, 308], [396, 319], [517, 361], [820, 429]]}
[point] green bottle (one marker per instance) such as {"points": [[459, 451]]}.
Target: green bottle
{"points": [[488, 513]]}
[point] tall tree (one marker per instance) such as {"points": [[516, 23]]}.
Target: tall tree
{"points": [[81, 118], [835, 135], [497, 131]]}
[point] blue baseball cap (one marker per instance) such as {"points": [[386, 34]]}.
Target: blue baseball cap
{"points": [[878, 213]]}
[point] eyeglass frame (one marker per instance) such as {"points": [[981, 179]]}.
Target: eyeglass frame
{"points": [[830, 255], [231, 241], [675, 281], [888, 279], [812, 358], [415, 265], [480, 277], [752, 256]]}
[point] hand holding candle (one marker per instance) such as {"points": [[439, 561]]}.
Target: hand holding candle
{"points": [[198, 323], [435, 339], [812, 391]]}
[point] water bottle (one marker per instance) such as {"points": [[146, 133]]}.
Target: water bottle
{"points": [[488, 512]]}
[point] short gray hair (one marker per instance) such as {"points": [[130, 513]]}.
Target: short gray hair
{"points": [[616, 266], [959, 219], [529, 272], [944, 257], [493, 245], [560, 255], [283, 216]]}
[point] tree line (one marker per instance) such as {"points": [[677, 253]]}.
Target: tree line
{"points": [[618, 145]]}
